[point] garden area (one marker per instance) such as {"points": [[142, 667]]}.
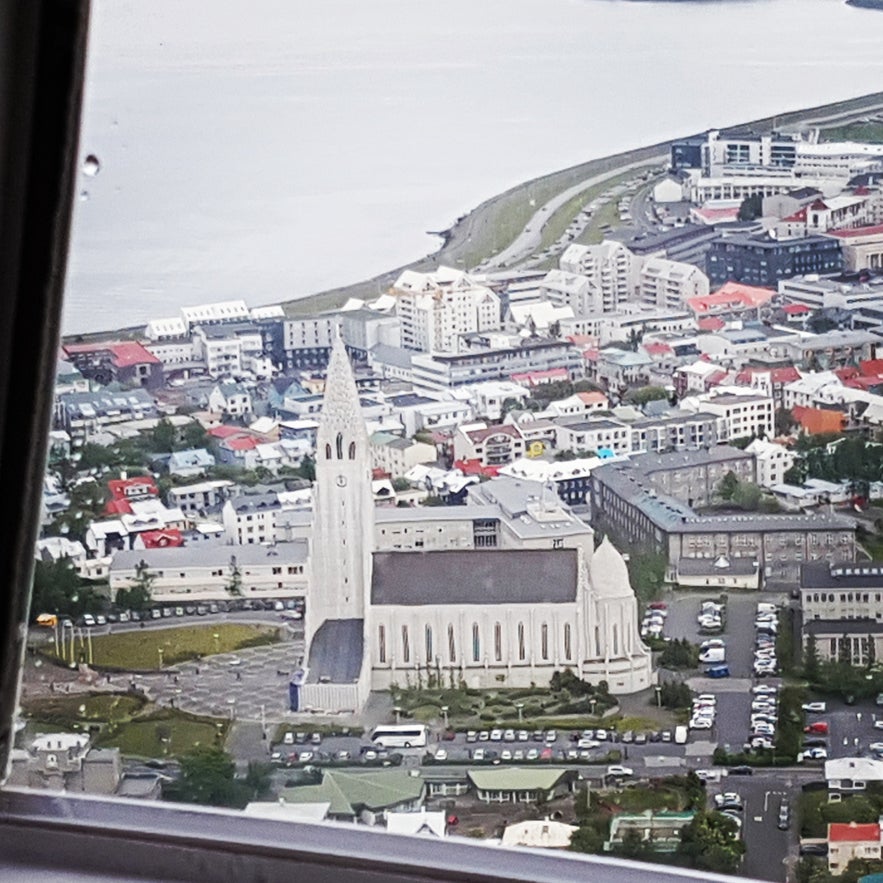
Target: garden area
{"points": [[149, 649], [125, 721], [566, 702]]}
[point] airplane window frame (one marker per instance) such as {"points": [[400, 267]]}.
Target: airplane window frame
{"points": [[49, 835]]}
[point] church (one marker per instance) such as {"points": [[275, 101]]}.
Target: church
{"points": [[501, 592]]}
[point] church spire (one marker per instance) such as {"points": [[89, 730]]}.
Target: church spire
{"points": [[341, 423]]}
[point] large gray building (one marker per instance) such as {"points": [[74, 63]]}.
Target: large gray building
{"points": [[648, 503]]}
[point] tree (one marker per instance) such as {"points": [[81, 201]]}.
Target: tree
{"points": [[258, 778], [138, 595], [56, 588], [307, 468], [194, 435], [646, 394], [784, 421], [679, 653], [811, 661], [647, 573], [401, 484], [163, 436], [727, 486], [207, 777], [751, 207], [234, 582], [675, 694], [632, 845], [711, 842]]}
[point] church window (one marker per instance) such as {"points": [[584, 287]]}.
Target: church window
{"points": [[615, 640], [544, 641], [352, 450], [339, 445], [567, 648], [327, 452], [452, 649], [406, 645], [382, 640], [597, 641], [476, 643], [522, 653], [429, 643], [498, 642]]}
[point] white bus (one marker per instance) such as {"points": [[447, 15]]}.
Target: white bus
{"points": [[400, 736]]}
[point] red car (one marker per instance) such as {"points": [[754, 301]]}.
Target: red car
{"points": [[657, 605], [819, 728]]}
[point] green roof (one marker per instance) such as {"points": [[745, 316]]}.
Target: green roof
{"points": [[348, 793], [515, 779]]}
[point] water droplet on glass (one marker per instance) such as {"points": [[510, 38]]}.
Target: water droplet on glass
{"points": [[84, 195], [91, 165]]}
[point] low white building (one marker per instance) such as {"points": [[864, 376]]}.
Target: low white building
{"points": [[773, 461], [397, 455], [209, 572]]}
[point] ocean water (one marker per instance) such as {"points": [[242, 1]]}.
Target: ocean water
{"points": [[270, 149]]}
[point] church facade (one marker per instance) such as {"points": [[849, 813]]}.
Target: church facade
{"points": [[419, 612]]}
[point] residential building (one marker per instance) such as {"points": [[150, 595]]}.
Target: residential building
{"points": [[519, 785], [852, 773], [126, 362], [732, 301], [200, 497], [610, 267], [190, 463], [772, 461], [833, 349], [231, 399], [742, 413], [307, 341], [396, 455], [231, 349], [765, 261], [489, 445], [617, 369], [572, 290], [66, 762], [488, 399], [588, 435], [862, 247], [670, 284], [836, 291], [436, 308], [85, 414], [850, 840], [364, 329], [578, 404]]}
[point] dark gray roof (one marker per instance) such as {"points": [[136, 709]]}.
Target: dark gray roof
{"points": [[534, 576], [843, 627], [336, 652], [822, 575], [714, 567]]}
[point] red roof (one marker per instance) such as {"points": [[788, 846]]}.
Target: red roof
{"points": [[799, 215], [838, 832], [474, 467], [117, 507], [711, 323], [478, 435], [731, 295], [592, 398], [871, 367], [818, 420], [785, 375], [532, 378], [245, 443], [591, 355], [846, 373], [162, 539], [656, 348], [224, 431], [854, 232], [124, 353], [795, 309]]}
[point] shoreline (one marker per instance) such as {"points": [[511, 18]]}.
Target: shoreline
{"points": [[493, 225]]}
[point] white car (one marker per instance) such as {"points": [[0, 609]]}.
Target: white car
{"points": [[763, 688], [587, 743], [728, 797], [812, 754], [701, 723], [509, 736], [760, 742], [441, 754], [601, 735], [496, 735], [619, 771], [712, 642], [878, 725], [505, 754], [815, 707]]}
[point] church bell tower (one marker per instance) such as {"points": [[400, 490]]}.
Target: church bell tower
{"points": [[343, 506]]}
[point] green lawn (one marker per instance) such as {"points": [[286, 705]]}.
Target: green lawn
{"points": [[165, 733], [637, 799], [139, 650], [101, 707], [606, 215], [871, 131]]}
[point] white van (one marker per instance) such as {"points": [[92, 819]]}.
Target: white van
{"points": [[681, 735], [713, 654], [764, 607]]}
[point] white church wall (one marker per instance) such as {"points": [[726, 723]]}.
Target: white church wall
{"points": [[408, 533]]}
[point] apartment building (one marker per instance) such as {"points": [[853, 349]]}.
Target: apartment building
{"points": [[610, 268], [434, 309], [670, 284]]}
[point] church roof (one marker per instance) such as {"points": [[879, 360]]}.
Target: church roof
{"points": [[336, 652], [524, 576], [340, 404], [608, 572]]}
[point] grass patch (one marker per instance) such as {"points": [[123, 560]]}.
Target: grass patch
{"points": [[166, 732], [870, 131], [139, 650], [63, 711], [604, 216], [638, 799]]}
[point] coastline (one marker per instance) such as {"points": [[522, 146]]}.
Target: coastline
{"points": [[494, 224]]}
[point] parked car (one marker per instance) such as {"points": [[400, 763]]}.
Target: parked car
{"points": [[619, 771], [740, 770], [821, 728], [814, 707]]}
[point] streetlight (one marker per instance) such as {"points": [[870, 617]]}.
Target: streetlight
{"points": [[444, 711], [217, 638], [520, 707], [592, 706], [159, 651], [398, 713], [658, 696]]}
